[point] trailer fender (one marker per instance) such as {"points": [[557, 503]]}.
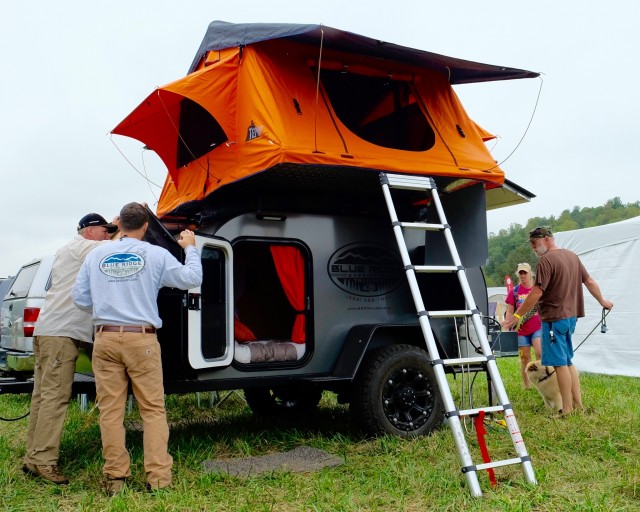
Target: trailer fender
{"points": [[361, 338]]}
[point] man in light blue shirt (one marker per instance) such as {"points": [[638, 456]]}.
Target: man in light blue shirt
{"points": [[119, 283]]}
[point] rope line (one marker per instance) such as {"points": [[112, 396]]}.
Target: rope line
{"points": [[601, 322], [533, 113], [131, 163], [315, 116]]}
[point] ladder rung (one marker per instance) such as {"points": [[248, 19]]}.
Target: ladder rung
{"points": [[410, 182], [473, 412], [422, 225], [451, 313], [497, 464], [464, 360], [436, 268]]}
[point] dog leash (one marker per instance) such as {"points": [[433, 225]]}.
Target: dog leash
{"points": [[603, 328], [548, 374]]}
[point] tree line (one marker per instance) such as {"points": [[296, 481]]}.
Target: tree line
{"points": [[510, 246]]}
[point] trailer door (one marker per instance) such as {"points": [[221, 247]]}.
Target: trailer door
{"points": [[210, 307]]}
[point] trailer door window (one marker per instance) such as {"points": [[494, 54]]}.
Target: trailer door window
{"points": [[213, 303]]}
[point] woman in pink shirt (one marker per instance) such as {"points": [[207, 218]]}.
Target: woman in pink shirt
{"points": [[530, 331]]}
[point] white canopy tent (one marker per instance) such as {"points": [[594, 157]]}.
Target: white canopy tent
{"points": [[497, 305], [611, 255]]}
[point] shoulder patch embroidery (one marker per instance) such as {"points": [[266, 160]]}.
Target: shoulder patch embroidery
{"points": [[122, 264]]}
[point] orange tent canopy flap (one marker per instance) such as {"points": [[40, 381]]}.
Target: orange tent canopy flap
{"points": [[246, 108]]}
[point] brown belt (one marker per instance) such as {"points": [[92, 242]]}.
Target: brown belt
{"points": [[126, 328]]}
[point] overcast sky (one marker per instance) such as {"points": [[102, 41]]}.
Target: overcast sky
{"points": [[71, 70]]}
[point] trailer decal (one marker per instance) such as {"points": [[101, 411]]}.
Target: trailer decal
{"points": [[365, 269]]}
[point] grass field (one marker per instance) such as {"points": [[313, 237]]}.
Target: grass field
{"points": [[582, 463]]}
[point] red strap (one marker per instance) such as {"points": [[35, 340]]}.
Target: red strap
{"points": [[480, 432]]}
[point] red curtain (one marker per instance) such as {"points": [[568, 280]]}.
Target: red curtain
{"points": [[290, 267]]}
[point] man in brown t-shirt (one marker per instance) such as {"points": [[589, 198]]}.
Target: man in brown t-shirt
{"points": [[558, 292]]}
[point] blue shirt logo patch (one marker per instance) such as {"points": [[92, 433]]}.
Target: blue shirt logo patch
{"points": [[123, 264]]}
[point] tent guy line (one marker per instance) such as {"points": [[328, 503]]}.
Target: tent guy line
{"points": [[533, 113], [144, 175]]}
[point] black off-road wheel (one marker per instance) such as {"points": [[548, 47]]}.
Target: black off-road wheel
{"points": [[395, 392], [283, 400]]}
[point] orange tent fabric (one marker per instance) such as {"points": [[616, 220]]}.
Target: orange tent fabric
{"points": [[249, 108]]}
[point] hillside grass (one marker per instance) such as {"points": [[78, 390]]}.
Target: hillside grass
{"points": [[582, 463]]}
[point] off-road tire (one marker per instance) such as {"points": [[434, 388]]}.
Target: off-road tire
{"points": [[283, 400], [395, 392]]}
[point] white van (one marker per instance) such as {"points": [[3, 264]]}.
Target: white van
{"points": [[20, 309]]}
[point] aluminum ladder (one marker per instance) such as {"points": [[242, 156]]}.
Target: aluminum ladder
{"points": [[453, 415]]}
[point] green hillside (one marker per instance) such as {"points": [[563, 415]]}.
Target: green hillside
{"points": [[510, 246]]}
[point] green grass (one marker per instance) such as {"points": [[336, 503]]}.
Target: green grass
{"points": [[582, 463]]}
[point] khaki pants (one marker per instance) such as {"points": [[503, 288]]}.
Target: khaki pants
{"points": [[55, 363], [117, 359]]}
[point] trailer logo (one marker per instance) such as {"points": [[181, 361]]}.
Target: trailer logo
{"points": [[123, 264], [365, 269], [253, 132]]}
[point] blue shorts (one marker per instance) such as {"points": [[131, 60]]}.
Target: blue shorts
{"points": [[527, 339], [557, 346]]}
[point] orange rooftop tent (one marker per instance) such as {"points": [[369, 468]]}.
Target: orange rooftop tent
{"points": [[262, 96]]}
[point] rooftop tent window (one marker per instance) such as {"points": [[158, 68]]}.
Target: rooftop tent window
{"points": [[199, 133], [379, 110]]}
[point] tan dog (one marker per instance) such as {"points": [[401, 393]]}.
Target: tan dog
{"points": [[545, 380]]}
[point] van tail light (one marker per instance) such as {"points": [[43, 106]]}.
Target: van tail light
{"points": [[29, 316]]}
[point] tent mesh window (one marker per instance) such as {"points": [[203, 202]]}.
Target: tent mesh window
{"points": [[199, 132], [379, 110]]}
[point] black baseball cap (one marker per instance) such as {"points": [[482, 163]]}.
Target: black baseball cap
{"points": [[93, 219]]}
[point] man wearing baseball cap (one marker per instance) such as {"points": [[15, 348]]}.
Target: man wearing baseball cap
{"points": [[530, 329], [558, 293], [94, 220], [60, 329]]}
